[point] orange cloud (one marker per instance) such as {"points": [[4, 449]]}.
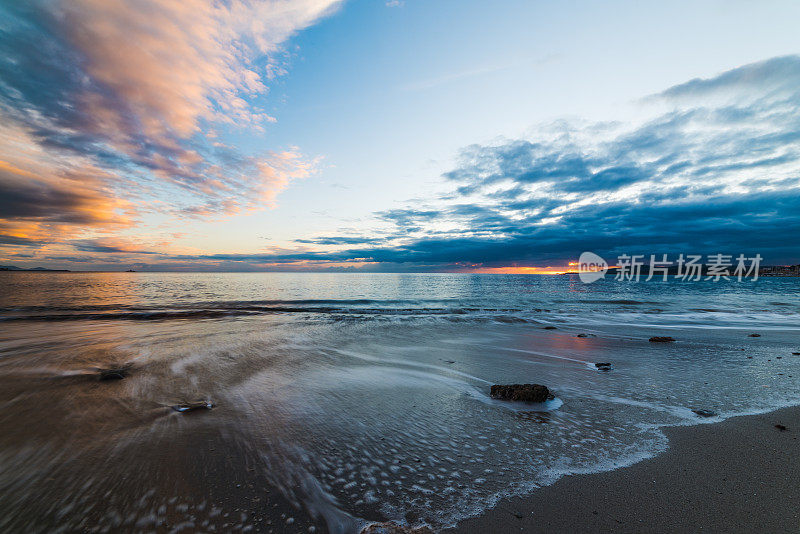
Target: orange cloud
{"points": [[43, 198], [165, 65], [119, 103]]}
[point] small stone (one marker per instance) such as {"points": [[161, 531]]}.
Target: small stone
{"points": [[193, 406], [390, 527], [754, 335], [582, 335], [796, 354], [115, 373], [782, 428], [521, 392], [661, 339], [705, 413], [550, 327]]}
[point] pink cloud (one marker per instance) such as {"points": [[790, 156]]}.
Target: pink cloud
{"points": [[147, 87]]}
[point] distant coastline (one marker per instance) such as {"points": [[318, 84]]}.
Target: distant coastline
{"points": [[766, 271], [35, 269]]}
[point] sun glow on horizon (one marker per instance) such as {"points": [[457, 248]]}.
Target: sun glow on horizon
{"points": [[522, 270]]}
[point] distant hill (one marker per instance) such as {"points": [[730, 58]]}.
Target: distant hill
{"points": [[15, 268]]}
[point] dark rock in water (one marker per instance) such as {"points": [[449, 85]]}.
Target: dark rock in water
{"points": [[661, 339], [705, 413], [390, 527], [782, 428], [521, 392], [509, 319], [549, 327], [796, 354], [582, 335], [115, 373], [192, 406], [603, 366], [754, 335]]}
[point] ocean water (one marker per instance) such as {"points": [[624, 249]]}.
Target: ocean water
{"points": [[342, 399]]}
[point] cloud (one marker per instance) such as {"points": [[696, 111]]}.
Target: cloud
{"points": [[717, 171], [137, 92], [764, 79], [110, 245], [42, 198], [715, 168]]}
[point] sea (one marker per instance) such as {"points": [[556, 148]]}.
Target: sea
{"points": [[334, 400]]}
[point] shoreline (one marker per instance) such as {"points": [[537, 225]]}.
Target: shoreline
{"points": [[735, 475]]}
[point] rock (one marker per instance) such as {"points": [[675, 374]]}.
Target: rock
{"points": [[582, 335], [521, 392], [390, 527], [754, 335], [796, 354], [661, 339], [705, 413], [550, 327], [782, 428], [192, 406], [115, 373], [603, 366]]}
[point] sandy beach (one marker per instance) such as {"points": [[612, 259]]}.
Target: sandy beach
{"points": [[327, 412], [739, 475]]}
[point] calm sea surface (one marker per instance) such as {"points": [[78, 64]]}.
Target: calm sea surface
{"points": [[347, 398]]}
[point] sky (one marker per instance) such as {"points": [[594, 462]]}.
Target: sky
{"points": [[415, 135]]}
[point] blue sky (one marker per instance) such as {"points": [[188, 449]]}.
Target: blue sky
{"points": [[359, 114]]}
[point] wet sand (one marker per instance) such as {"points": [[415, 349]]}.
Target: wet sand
{"points": [[740, 475], [361, 399]]}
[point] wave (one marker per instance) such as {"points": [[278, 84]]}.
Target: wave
{"points": [[520, 311], [207, 310]]}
